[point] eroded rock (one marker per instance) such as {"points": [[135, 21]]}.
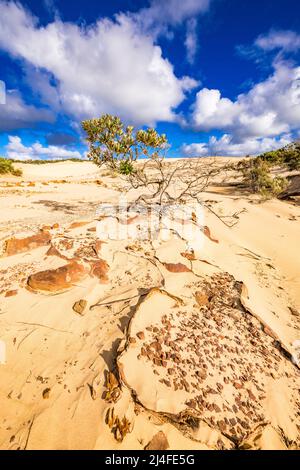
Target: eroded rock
{"points": [[14, 246], [176, 268], [57, 280], [100, 269]]}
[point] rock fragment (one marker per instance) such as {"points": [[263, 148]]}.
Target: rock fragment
{"points": [[158, 442], [80, 306]]}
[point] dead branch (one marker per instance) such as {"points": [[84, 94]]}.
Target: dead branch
{"points": [[177, 182]]}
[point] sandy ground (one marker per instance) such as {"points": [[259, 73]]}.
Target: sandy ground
{"points": [[110, 343]]}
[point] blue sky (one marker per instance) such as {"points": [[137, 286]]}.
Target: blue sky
{"points": [[219, 77]]}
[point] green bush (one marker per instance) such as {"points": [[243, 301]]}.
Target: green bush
{"points": [[6, 167], [258, 178]]}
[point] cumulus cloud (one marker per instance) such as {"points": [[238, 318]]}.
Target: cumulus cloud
{"points": [[264, 118], [110, 66], [226, 145], [17, 151], [16, 114], [270, 108]]}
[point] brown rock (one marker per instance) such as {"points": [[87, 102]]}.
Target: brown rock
{"points": [[78, 224], [57, 280], [201, 373], [80, 306], [132, 340], [189, 255], [54, 252], [222, 426], [237, 385], [176, 268], [46, 393], [100, 270], [141, 335], [207, 233], [201, 299], [11, 293], [14, 246], [158, 442], [167, 382], [156, 345]]}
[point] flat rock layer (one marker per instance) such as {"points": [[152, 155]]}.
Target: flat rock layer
{"points": [[13, 246]]}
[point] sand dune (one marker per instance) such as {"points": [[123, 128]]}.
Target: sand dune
{"points": [[128, 343]]}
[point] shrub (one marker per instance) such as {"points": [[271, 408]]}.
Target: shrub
{"points": [[118, 147], [258, 178], [6, 167]]}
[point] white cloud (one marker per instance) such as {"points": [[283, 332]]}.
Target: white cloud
{"points": [[288, 41], [270, 108], [157, 19], [16, 114], [17, 151], [110, 66], [267, 117], [160, 14], [191, 43], [227, 146]]}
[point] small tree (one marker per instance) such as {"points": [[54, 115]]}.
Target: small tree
{"points": [[157, 181], [119, 147]]}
